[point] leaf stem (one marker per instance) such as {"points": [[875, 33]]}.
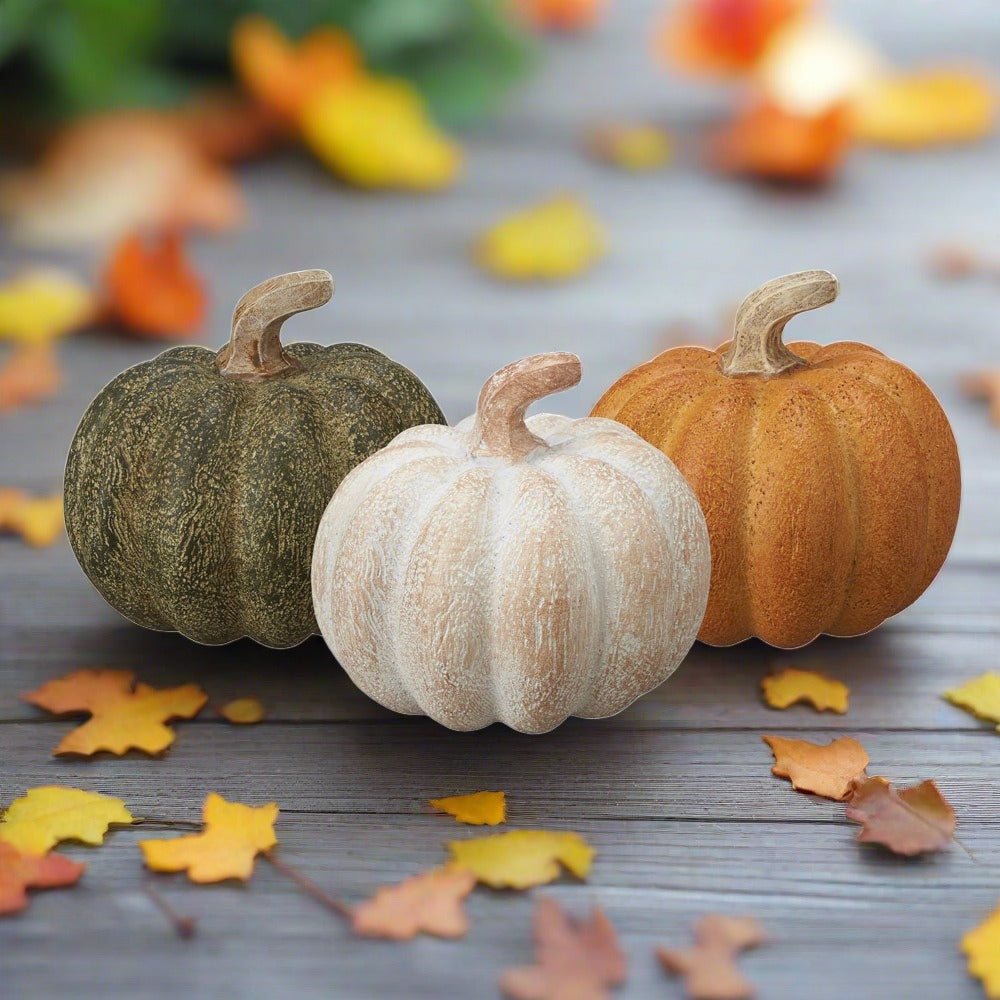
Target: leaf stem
{"points": [[185, 927], [330, 902]]}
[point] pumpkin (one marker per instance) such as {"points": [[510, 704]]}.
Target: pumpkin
{"points": [[512, 570], [829, 476], [196, 480]]}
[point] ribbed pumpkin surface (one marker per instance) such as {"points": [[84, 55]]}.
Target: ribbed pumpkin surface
{"points": [[831, 491], [192, 498]]}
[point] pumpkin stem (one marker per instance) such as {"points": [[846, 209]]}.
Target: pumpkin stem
{"points": [[500, 428], [254, 350], [760, 321]]}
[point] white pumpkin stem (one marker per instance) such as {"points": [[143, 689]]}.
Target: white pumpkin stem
{"points": [[254, 350], [500, 428], [760, 321]]}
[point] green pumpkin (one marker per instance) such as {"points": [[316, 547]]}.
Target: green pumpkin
{"points": [[196, 481]]}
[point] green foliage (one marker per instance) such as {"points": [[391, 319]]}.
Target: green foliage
{"points": [[82, 55]]}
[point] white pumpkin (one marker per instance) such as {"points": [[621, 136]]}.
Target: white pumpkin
{"points": [[510, 570]]}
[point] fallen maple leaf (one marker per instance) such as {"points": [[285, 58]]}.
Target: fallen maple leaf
{"points": [[477, 809], [982, 947], [242, 711], [980, 696], [124, 715], [522, 858], [635, 147], [430, 902], [573, 960], [233, 836], [30, 375], [43, 303], [793, 685], [561, 15], [985, 385], [38, 520], [908, 821], [43, 817], [283, 75], [376, 132], [926, 108], [109, 174], [709, 968], [19, 872], [552, 240], [824, 770], [151, 289]]}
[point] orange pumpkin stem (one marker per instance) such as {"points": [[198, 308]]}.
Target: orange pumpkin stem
{"points": [[760, 321], [254, 350], [500, 429]]}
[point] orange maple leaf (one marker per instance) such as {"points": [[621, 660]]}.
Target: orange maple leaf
{"points": [[29, 375], [908, 821], [234, 835], [709, 968], [151, 288], [825, 770], [561, 15], [430, 902], [20, 872], [573, 960], [124, 715]]}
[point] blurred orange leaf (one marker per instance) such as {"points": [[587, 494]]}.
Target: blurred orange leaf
{"points": [[561, 15], [908, 821], [38, 520], [283, 75], [151, 288], [29, 375], [709, 968], [19, 872], [522, 858], [573, 960], [43, 303], [722, 37], [233, 836], [124, 715], [228, 126], [109, 174], [926, 108], [981, 946], [242, 711], [430, 902], [766, 141], [792, 685], [824, 770], [377, 133], [477, 809]]}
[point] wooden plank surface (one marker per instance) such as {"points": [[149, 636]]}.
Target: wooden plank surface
{"points": [[676, 793]]}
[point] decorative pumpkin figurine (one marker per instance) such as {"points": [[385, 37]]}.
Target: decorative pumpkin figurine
{"points": [[828, 475], [196, 480], [512, 570]]}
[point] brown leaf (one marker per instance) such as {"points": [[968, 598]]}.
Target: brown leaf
{"points": [[824, 770], [430, 902], [709, 968], [29, 375], [908, 821], [573, 960]]}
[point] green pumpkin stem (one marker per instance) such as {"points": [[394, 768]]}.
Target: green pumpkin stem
{"points": [[254, 350], [500, 429], [757, 348]]}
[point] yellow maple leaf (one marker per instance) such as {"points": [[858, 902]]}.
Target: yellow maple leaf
{"points": [[38, 520], [980, 696], [926, 108], [554, 239], [124, 715], [636, 147], [982, 947], [376, 132], [43, 817], [793, 685], [234, 834], [522, 858], [477, 809], [242, 711], [43, 303]]}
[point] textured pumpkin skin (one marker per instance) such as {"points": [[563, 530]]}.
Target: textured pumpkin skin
{"points": [[192, 497], [831, 491], [476, 590]]}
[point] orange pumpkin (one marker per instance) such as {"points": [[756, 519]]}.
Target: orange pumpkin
{"points": [[829, 476]]}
